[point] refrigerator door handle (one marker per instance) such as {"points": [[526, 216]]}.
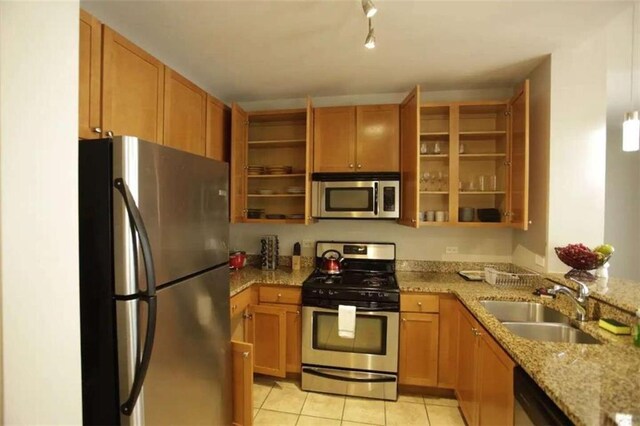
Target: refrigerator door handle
{"points": [[149, 296]]}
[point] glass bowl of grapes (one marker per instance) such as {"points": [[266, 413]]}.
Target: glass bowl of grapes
{"points": [[582, 259]]}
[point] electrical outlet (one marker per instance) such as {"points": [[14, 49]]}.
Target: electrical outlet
{"points": [[540, 260], [307, 244], [451, 250]]}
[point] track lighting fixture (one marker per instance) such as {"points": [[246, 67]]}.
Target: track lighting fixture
{"points": [[369, 8], [370, 41]]}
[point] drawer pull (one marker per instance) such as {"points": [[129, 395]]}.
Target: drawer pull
{"points": [[404, 319], [420, 304], [279, 295], [245, 354]]}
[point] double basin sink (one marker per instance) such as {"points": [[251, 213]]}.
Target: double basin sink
{"points": [[536, 321]]}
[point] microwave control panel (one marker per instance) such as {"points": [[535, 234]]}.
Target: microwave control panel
{"points": [[389, 198]]}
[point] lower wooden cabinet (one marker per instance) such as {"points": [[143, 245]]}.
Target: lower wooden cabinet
{"points": [[418, 357], [242, 388], [268, 334], [485, 376], [448, 342]]}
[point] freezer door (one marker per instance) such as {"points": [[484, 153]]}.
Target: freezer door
{"points": [[183, 202], [189, 376]]}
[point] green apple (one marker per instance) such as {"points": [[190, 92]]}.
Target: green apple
{"points": [[606, 249]]}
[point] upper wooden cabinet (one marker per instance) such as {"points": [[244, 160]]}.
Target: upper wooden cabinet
{"points": [[378, 138], [356, 139], [218, 130], [270, 165], [90, 76], [335, 139], [185, 114], [409, 154], [132, 89], [466, 155]]}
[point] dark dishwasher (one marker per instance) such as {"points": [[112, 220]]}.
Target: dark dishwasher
{"points": [[532, 405]]}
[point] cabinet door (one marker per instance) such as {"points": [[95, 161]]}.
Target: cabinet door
{"points": [[294, 339], [378, 138], [242, 377], [185, 114], [466, 383], [269, 326], [89, 90], [334, 139], [519, 155], [308, 163], [239, 126], [218, 130], [495, 383], [132, 89], [448, 343], [418, 357], [409, 158]]}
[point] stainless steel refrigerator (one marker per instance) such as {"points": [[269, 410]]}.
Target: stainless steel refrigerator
{"points": [[154, 285]]}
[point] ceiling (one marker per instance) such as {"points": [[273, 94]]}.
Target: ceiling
{"points": [[252, 50]]}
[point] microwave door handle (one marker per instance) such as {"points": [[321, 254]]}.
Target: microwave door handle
{"points": [[376, 198]]}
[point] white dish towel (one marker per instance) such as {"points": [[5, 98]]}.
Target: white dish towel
{"points": [[347, 321]]}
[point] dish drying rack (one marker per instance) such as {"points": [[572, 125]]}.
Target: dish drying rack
{"points": [[510, 277]]}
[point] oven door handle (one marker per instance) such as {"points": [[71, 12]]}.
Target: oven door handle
{"points": [[345, 378], [359, 309]]}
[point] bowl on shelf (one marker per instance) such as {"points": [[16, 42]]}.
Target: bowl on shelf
{"points": [[465, 214], [255, 213], [489, 215], [278, 170]]}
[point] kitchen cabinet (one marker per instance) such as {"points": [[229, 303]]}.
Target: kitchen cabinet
{"points": [[185, 114], [418, 346], [362, 138], [466, 154], [271, 155], [218, 130], [270, 318], [242, 383], [132, 89], [409, 154], [89, 76], [448, 342], [485, 375]]}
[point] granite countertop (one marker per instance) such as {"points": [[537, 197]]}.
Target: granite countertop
{"points": [[592, 384]]}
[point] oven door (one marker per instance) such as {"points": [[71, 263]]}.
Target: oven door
{"points": [[374, 348], [345, 200]]}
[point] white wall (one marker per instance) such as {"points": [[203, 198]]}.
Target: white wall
{"points": [[577, 147], [38, 216], [622, 207], [529, 247], [491, 245]]}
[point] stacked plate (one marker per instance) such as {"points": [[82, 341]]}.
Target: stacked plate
{"points": [[295, 190], [255, 213], [295, 216], [255, 170], [266, 191], [278, 170]]}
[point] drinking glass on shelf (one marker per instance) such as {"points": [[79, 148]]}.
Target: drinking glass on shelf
{"points": [[492, 183], [424, 181], [436, 148], [444, 184], [482, 183], [423, 147]]}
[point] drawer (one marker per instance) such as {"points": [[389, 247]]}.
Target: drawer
{"points": [[419, 303], [239, 302], [290, 295]]}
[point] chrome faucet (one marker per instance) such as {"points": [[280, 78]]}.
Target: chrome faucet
{"points": [[580, 300]]}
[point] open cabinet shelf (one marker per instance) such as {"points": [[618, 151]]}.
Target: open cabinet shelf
{"points": [[480, 161], [271, 138]]}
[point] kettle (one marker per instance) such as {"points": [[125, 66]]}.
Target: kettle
{"points": [[331, 264]]}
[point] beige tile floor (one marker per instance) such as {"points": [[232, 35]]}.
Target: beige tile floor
{"points": [[281, 402]]}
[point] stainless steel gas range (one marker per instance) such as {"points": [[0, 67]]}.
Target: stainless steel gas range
{"points": [[367, 364]]}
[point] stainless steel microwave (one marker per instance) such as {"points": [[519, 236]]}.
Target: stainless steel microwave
{"points": [[355, 195]]}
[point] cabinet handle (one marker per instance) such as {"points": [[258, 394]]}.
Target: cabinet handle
{"points": [[351, 166], [359, 166], [279, 295], [413, 221], [420, 304], [109, 134], [404, 319], [245, 354], [297, 312], [97, 130]]}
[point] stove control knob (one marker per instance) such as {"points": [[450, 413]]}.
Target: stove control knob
{"points": [[320, 291], [380, 294], [330, 293]]}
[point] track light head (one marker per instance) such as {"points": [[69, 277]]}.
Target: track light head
{"points": [[370, 41], [369, 8]]}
